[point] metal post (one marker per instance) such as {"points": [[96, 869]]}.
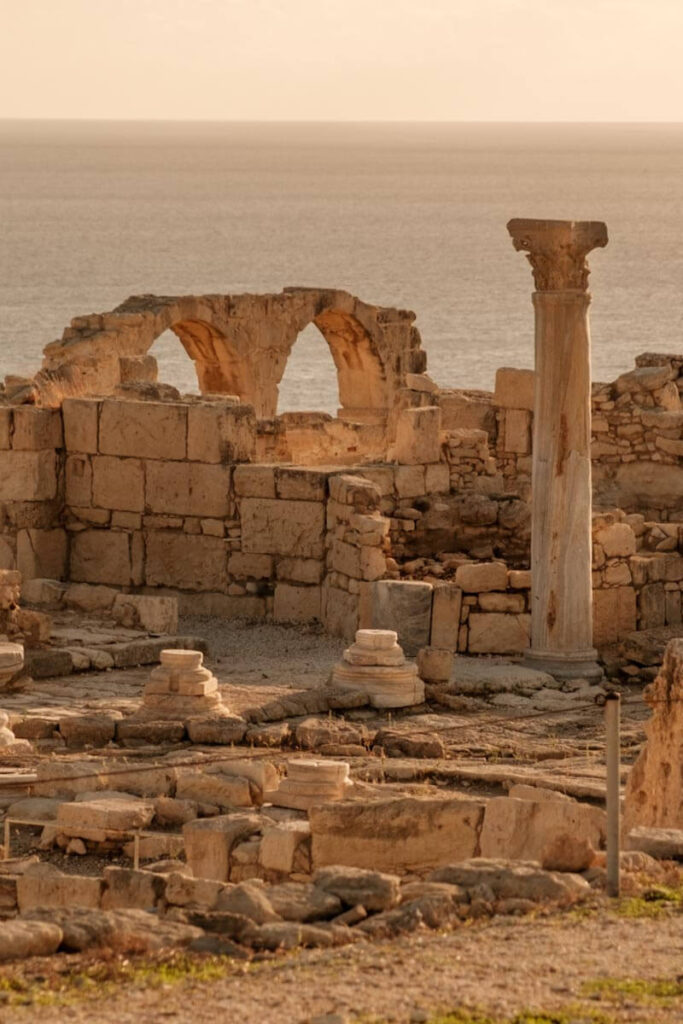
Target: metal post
{"points": [[613, 744], [7, 839], [136, 850]]}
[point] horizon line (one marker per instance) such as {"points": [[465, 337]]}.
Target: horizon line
{"points": [[336, 121]]}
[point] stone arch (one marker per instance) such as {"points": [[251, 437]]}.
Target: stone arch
{"points": [[361, 377], [219, 367]]}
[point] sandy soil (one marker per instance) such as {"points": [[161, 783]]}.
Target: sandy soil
{"points": [[502, 967]]}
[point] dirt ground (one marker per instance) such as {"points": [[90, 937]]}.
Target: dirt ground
{"points": [[596, 967]]}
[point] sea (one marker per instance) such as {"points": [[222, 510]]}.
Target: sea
{"points": [[403, 214]]}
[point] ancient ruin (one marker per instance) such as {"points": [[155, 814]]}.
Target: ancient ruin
{"points": [[301, 678]]}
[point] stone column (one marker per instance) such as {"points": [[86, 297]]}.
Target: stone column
{"points": [[561, 592]]}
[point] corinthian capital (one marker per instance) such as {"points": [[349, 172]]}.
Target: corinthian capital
{"points": [[557, 250]]}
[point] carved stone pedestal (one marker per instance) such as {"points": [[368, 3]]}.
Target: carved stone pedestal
{"points": [[376, 664], [311, 782], [180, 688]]}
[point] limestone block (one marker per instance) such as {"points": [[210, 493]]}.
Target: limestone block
{"points": [[434, 664], [190, 562], [280, 844], [183, 891], [364, 495], [296, 570], [126, 887], [28, 475], [142, 611], [406, 607], [300, 484], [614, 615], [100, 556], [220, 433], [21, 939], [446, 605], [643, 378], [43, 885], [437, 478], [404, 834], [78, 481], [652, 606], [225, 791], [340, 611], [654, 789], [36, 428], [259, 567], [494, 633], [100, 819], [293, 528], [89, 598], [517, 424], [187, 488], [523, 829], [617, 540], [410, 481], [151, 430], [418, 436], [296, 604], [5, 427], [118, 483], [480, 577], [80, 424], [493, 601], [254, 481], [209, 841], [514, 389], [41, 553], [47, 592]]}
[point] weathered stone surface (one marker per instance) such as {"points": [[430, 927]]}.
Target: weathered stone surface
{"points": [[225, 791], [101, 556], [20, 939], [404, 606], [123, 931], [514, 388], [525, 829], [249, 899], [125, 887], [42, 885], [509, 879], [208, 842], [28, 476], [293, 528], [153, 430], [297, 901], [397, 834], [446, 605], [187, 561], [654, 789], [95, 819], [496, 633], [373, 890], [118, 483], [219, 729], [663, 843], [80, 424], [187, 488], [480, 577]]}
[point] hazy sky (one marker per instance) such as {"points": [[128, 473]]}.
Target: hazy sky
{"points": [[343, 59]]}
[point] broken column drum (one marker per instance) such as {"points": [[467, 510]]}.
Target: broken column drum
{"points": [[376, 665], [310, 782], [180, 687], [561, 591]]}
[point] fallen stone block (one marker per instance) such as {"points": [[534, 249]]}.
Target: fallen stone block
{"points": [[126, 887], [249, 899], [372, 890], [89, 730], [218, 729], [280, 844], [122, 931], [103, 819], [208, 843], [510, 879], [19, 939], [183, 891], [397, 834], [142, 611], [225, 791], [302, 902], [43, 885], [526, 829], [662, 843]]}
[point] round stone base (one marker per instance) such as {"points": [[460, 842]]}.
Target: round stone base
{"points": [[398, 687], [572, 665]]}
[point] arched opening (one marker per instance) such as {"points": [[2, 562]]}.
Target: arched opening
{"points": [[309, 382], [174, 365], [357, 384]]}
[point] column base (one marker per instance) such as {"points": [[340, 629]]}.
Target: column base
{"points": [[566, 665]]}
